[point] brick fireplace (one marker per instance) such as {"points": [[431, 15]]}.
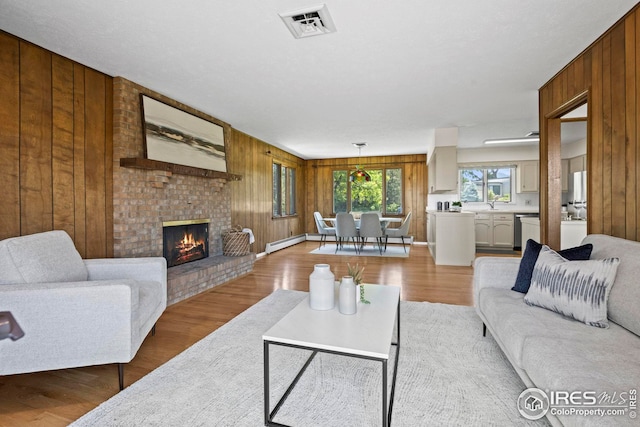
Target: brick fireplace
{"points": [[145, 199]]}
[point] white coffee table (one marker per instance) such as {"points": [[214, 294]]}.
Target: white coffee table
{"points": [[368, 334]]}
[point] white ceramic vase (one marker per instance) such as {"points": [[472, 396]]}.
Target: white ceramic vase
{"points": [[321, 288], [347, 296]]}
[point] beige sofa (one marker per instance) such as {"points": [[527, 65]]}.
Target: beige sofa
{"points": [[552, 352], [75, 312]]}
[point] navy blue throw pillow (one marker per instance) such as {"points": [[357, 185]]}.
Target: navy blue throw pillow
{"points": [[531, 252]]}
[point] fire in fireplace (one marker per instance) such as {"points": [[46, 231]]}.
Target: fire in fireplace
{"points": [[185, 241]]}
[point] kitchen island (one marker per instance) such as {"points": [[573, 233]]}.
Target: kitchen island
{"points": [[451, 237]]}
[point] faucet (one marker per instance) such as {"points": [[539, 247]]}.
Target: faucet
{"points": [[493, 202]]}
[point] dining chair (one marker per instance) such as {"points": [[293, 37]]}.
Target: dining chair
{"points": [[323, 229], [345, 229], [401, 232], [370, 227], [356, 217]]}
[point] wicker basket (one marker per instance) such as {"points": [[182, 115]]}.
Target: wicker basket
{"points": [[235, 242]]}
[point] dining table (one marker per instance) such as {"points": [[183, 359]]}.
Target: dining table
{"points": [[384, 221]]}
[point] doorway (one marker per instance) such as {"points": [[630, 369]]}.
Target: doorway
{"points": [[573, 135], [571, 117]]}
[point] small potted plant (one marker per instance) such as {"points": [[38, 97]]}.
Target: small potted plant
{"points": [[456, 206], [356, 273]]}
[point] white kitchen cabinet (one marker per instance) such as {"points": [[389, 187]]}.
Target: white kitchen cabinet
{"points": [[530, 230], [528, 177], [503, 230], [494, 229], [443, 170], [565, 174], [577, 164], [571, 232], [483, 229]]}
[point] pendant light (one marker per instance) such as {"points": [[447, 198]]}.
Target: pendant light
{"points": [[359, 175]]}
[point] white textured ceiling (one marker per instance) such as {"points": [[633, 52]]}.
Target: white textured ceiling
{"points": [[392, 73]]}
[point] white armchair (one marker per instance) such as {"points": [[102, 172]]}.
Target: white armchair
{"points": [[323, 229], [75, 312], [402, 232]]}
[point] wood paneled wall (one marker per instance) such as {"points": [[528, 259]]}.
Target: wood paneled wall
{"points": [[56, 159], [251, 198], [607, 74], [55, 147], [319, 190]]}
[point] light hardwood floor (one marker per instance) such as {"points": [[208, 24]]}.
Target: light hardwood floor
{"points": [[56, 398]]}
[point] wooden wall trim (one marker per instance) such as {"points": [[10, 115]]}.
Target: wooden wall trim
{"points": [[551, 169], [609, 71]]}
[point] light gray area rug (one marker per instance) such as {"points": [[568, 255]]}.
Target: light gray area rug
{"points": [[395, 251], [448, 374]]}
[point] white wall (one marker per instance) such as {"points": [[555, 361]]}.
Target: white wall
{"points": [[498, 154], [521, 201], [573, 149], [441, 137], [431, 143], [488, 155]]}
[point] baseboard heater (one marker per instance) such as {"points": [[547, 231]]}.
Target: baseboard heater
{"points": [[284, 243], [317, 237]]}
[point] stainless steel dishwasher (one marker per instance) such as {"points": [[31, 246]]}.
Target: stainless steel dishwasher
{"points": [[517, 229]]}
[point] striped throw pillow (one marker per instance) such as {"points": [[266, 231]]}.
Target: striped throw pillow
{"points": [[576, 289]]}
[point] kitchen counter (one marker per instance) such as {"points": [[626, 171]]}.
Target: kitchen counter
{"points": [[506, 210], [436, 212], [499, 209], [451, 237], [572, 222], [531, 220], [571, 232]]}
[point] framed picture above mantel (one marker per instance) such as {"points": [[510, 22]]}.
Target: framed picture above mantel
{"points": [[175, 136]]}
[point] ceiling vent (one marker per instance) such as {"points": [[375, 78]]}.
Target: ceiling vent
{"points": [[312, 21]]}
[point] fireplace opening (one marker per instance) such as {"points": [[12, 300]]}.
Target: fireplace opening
{"points": [[185, 241]]}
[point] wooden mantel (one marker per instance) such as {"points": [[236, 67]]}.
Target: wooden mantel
{"points": [[139, 163]]}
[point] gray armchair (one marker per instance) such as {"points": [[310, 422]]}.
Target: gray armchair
{"points": [[402, 232], [75, 312], [370, 227], [346, 229], [323, 229]]}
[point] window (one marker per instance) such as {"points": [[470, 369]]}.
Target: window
{"points": [[379, 195], [284, 190], [367, 196], [393, 191], [486, 184], [340, 191]]}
